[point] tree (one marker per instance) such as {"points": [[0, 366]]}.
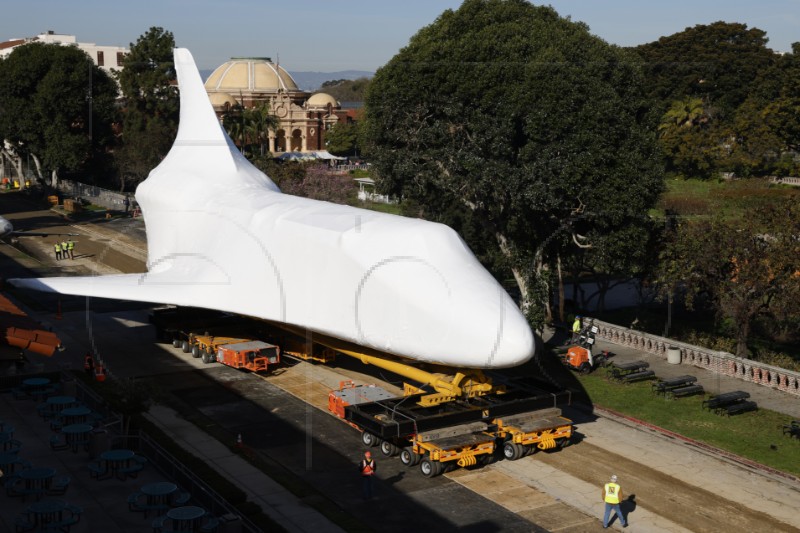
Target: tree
{"points": [[346, 90], [745, 268], [342, 139], [319, 183], [768, 122], [716, 63], [690, 138], [55, 106], [150, 113], [522, 117]]}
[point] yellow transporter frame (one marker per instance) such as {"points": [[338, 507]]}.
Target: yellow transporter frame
{"points": [[524, 433], [462, 445]]}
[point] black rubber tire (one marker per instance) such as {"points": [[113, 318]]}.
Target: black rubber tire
{"points": [[408, 457], [389, 449], [195, 351], [512, 451], [430, 468], [585, 368], [563, 443], [207, 359], [176, 343], [369, 439], [186, 347]]}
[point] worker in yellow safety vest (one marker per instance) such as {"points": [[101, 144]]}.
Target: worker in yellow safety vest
{"points": [[70, 248], [57, 247], [612, 495], [576, 329]]}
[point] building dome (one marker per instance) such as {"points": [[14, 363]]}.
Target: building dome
{"points": [[322, 100], [222, 99], [250, 74]]}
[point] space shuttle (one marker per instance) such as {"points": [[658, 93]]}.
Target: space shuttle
{"points": [[221, 235]]}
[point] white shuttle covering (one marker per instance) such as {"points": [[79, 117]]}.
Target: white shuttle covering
{"points": [[221, 235]]}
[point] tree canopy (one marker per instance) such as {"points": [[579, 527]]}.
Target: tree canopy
{"points": [[150, 112], [521, 116], [55, 105], [716, 63], [745, 267]]}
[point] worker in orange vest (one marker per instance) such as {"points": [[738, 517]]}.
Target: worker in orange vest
{"points": [[99, 372], [367, 467], [88, 364]]}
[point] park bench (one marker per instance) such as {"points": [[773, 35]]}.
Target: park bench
{"points": [[132, 471], [22, 524], [97, 469], [722, 400], [57, 442], [663, 386], [792, 429], [211, 525], [681, 392], [158, 523], [642, 375], [59, 485], [739, 407]]}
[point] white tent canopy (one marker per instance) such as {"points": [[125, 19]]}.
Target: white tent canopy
{"points": [[304, 156]]}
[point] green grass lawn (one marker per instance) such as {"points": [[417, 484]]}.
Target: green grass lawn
{"points": [[751, 435], [692, 197]]}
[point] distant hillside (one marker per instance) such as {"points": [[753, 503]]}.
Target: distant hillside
{"points": [[311, 81]]}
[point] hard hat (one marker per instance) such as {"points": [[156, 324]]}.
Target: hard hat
{"points": [[613, 479], [578, 316]]}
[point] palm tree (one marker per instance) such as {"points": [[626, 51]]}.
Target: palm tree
{"points": [[684, 113]]}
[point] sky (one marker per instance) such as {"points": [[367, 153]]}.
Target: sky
{"points": [[330, 36]]}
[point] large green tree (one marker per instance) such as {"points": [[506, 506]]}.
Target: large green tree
{"points": [[716, 62], [150, 110], [56, 106], [524, 118], [744, 267], [767, 126]]}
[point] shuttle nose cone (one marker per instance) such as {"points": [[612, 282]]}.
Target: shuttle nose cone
{"points": [[516, 343]]}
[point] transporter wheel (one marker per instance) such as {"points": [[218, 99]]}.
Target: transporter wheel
{"points": [[563, 443], [584, 368], [528, 450], [195, 351], [369, 439], [430, 468], [408, 457], [207, 358], [512, 451], [388, 448], [186, 347], [176, 343]]}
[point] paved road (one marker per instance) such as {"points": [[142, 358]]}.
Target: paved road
{"points": [[677, 488]]}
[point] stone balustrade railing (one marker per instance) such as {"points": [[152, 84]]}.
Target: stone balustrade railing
{"points": [[720, 362]]}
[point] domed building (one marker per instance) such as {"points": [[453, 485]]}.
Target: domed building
{"points": [[252, 81]]}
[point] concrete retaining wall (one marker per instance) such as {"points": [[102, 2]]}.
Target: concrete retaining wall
{"points": [[720, 362]]}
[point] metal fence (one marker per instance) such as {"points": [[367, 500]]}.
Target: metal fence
{"points": [[95, 195]]}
